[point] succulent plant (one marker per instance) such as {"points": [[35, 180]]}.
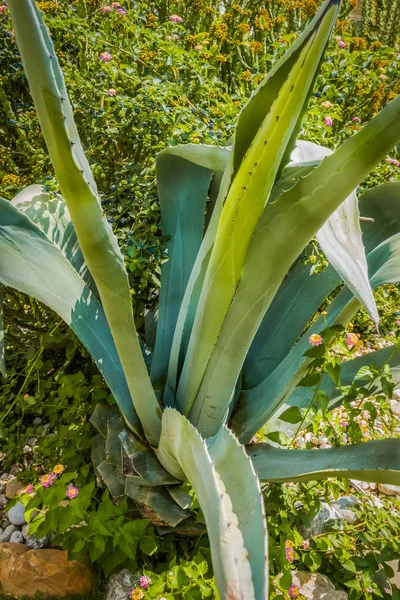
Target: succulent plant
{"points": [[225, 350]]}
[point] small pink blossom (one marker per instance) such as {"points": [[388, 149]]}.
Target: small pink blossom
{"points": [[111, 92], [383, 77], [326, 104], [294, 591], [29, 489], [397, 323], [315, 339], [72, 492], [306, 544], [289, 552], [174, 36], [198, 47], [106, 56], [121, 11], [328, 121], [106, 9], [176, 19], [393, 161], [46, 480], [168, 37], [341, 44], [344, 423], [144, 581], [3, 8], [351, 339], [356, 119]]}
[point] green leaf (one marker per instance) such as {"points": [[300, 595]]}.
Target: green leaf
{"points": [[377, 461], [33, 265], [155, 502], [148, 545], [291, 415], [182, 449], [96, 239]]}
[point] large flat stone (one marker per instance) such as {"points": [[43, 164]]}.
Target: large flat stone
{"points": [[25, 572]]}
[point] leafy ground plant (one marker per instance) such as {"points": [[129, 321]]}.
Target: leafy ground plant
{"points": [[214, 349]]}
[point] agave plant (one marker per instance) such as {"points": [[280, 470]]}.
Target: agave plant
{"points": [[225, 350]]}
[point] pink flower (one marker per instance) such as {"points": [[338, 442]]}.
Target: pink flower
{"points": [[72, 492], [198, 47], [294, 591], [397, 323], [106, 9], [315, 339], [328, 121], [326, 104], [356, 119], [306, 544], [46, 480], [111, 92], [341, 44], [121, 11], [29, 489], [144, 581], [3, 8], [176, 19], [344, 423], [351, 339], [106, 56], [392, 161], [174, 36], [289, 552]]}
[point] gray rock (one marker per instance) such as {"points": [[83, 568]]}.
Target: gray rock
{"points": [[17, 537], [3, 500], [5, 523], [37, 421], [396, 394], [389, 490], [1, 530], [13, 487], [119, 585], [344, 507], [5, 536], [328, 517], [5, 476], [36, 543], [16, 514], [314, 586], [25, 531]]}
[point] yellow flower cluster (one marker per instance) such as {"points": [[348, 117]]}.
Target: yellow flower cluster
{"points": [[237, 8], [308, 6], [248, 12], [209, 10], [151, 20], [244, 27], [11, 179], [227, 17], [197, 6], [220, 30], [280, 19], [47, 6], [256, 46], [147, 55], [377, 98], [244, 76], [360, 43], [220, 58], [376, 45], [190, 39]]}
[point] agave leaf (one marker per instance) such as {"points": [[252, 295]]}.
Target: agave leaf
{"points": [[181, 444], [243, 488], [377, 461], [147, 469], [297, 215], [301, 396], [155, 502], [341, 239], [100, 415], [32, 264], [98, 453], [115, 425], [262, 99], [265, 399], [245, 202], [183, 202], [112, 477], [181, 497], [96, 239], [2, 353]]}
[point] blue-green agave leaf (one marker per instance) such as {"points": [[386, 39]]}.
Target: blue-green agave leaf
{"points": [[32, 264], [2, 350]]}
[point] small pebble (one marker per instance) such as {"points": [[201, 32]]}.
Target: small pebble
{"points": [[37, 543], [3, 500], [16, 514], [37, 421], [5, 476], [5, 523], [7, 533], [324, 446], [17, 537]]}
